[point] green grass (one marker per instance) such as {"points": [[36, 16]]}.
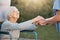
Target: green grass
{"points": [[44, 33]]}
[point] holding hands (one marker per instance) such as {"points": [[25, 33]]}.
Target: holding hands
{"points": [[39, 20]]}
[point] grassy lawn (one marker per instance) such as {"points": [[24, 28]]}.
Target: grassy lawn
{"points": [[44, 33]]}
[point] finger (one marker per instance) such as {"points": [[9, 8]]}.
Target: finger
{"points": [[42, 22], [37, 22]]}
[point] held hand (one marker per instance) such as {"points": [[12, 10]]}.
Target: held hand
{"points": [[37, 20], [42, 22]]}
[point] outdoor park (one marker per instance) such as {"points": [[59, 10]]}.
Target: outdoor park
{"points": [[32, 8]]}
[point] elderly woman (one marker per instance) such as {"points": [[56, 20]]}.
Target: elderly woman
{"points": [[10, 24]]}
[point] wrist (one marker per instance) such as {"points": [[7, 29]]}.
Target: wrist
{"points": [[32, 20], [48, 20]]}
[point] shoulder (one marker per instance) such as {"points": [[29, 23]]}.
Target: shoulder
{"points": [[6, 23]]}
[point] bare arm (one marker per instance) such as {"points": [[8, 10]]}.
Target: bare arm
{"points": [[54, 18]]}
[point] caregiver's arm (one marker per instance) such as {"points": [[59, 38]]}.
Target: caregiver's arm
{"points": [[54, 18]]}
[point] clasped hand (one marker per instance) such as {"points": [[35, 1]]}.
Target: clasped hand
{"points": [[39, 20]]}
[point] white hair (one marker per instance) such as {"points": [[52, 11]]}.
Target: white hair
{"points": [[14, 8], [7, 12]]}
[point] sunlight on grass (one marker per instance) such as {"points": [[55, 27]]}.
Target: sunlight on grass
{"points": [[32, 4]]}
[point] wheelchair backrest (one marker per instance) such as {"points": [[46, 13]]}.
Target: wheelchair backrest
{"points": [[0, 27]]}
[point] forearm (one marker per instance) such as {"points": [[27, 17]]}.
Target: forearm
{"points": [[27, 25], [53, 19]]}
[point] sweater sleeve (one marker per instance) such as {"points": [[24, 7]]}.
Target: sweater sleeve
{"points": [[27, 25], [9, 26]]}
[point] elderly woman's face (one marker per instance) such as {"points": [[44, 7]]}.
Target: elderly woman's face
{"points": [[14, 15]]}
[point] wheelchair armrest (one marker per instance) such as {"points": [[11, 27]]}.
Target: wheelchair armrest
{"points": [[27, 31], [2, 32]]}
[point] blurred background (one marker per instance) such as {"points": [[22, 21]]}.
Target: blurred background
{"points": [[32, 8]]}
